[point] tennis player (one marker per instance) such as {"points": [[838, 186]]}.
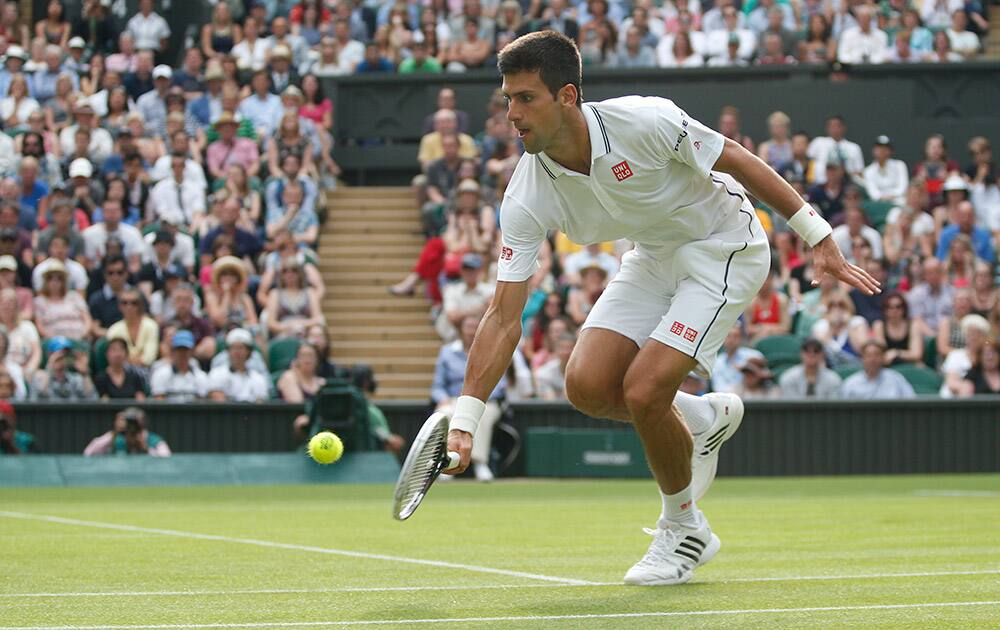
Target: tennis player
{"points": [[637, 168]]}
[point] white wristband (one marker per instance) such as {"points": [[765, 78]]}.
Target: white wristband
{"points": [[809, 225], [468, 411]]}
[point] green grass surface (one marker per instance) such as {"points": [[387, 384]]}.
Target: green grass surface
{"points": [[70, 574]]}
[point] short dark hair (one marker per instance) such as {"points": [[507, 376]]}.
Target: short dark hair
{"points": [[113, 259], [553, 55]]}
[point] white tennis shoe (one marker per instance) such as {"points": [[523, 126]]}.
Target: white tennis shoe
{"points": [[705, 458], [673, 555]]}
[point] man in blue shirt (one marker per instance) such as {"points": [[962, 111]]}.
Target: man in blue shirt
{"points": [[262, 108], [449, 374], [965, 223], [373, 61], [43, 82], [875, 381]]}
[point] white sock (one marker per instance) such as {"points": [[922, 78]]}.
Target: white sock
{"points": [[697, 411], [680, 509]]}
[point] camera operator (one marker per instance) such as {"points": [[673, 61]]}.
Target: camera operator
{"points": [[12, 441], [128, 436]]}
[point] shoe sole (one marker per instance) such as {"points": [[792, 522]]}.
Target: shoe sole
{"points": [[715, 441], [713, 548]]}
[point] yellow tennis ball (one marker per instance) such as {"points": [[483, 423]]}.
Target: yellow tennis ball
{"points": [[325, 447]]}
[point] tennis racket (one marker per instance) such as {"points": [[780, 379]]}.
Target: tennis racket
{"points": [[427, 458]]}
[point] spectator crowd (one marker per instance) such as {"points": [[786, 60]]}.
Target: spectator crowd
{"points": [[929, 231]]}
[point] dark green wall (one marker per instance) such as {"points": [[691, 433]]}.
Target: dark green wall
{"points": [[777, 437], [906, 102]]}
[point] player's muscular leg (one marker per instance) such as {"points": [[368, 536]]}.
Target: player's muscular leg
{"points": [[650, 384], [596, 373]]}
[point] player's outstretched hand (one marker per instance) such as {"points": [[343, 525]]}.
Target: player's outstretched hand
{"points": [[459, 442], [828, 259]]}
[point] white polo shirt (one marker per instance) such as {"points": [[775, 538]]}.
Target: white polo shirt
{"points": [[651, 182]]}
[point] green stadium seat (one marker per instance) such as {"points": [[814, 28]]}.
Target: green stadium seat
{"points": [[280, 353], [342, 408], [846, 370], [877, 212], [930, 352], [779, 349], [924, 380], [99, 356]]}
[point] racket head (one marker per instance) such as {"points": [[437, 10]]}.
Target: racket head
{"points": [[427, 457]]}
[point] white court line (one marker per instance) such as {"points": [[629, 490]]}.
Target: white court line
{"points": [[480, 587], [277, 545], [392, 622], [956, 493]]}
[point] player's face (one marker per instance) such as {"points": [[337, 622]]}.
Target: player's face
{"points": [[536, 113]]}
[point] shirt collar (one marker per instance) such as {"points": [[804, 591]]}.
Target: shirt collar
{"points": [[600, 143]]}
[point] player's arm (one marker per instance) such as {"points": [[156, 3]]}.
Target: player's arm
{"points": [[489, 357], [766, 185]]}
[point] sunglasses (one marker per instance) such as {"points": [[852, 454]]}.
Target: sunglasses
{"points": [[115, 272], [128, 302]]}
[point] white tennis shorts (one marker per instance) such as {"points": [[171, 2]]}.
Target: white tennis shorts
{"points": [[688, 302]]}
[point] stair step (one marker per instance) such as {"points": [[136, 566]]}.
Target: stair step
{"points": [[374, 240], [370, 191], [337, 319], [411, 348], [391, 304], [402, 215], [339, 264], [403, 393], [336, 226], [392, 333], [355, 249], [400, 365], [407, 206], [362, 292]]}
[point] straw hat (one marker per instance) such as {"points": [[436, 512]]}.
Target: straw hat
{"points": [[228, 263]]}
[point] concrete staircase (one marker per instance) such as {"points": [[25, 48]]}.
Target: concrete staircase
{"points": [[370, 240], [991, 44]]}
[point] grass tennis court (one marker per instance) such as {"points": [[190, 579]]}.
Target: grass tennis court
{"points": [[899, 552]]}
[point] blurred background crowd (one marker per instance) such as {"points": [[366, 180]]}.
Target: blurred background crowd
{"points": [[928, 231], [159, 212]]}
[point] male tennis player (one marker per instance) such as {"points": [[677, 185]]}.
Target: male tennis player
{"points": [[638, 168]]}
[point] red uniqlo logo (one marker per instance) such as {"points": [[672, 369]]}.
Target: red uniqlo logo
{"points": [[506, 253], [622, 170], [677, 328], [690, 334]]}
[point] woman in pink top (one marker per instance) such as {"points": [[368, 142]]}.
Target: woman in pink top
{"points": [[316, 107]]}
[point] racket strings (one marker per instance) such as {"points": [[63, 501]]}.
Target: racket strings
{"points": [[426, 466]]}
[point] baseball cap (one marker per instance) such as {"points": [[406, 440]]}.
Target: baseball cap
{"points": [[281, 51], [9, 233], [239, 335], [81, 167], [77, 42], [472, 261], [58, 343], [812, 343], [291, 90], [16, 52], [174, 271], [883, 141], [183, 339], [162, 71], [162, 236], [7, 410], [955, 182], [8, 263]]}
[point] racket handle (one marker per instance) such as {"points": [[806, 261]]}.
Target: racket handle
{"points": [[454, 459]]}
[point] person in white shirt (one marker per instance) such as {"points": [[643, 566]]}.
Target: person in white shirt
{"points": [[234, 382], [462, 299], [180, 142], [149, 29], [835, 147], [962, 41], [719, 41], [351, 51], [589, 255], [101, 144], [639, 168], [854, 225], [179, 379], [251, 52], [178, 199], [95, 237], [730, 56], [864, 43], [886, 178]]}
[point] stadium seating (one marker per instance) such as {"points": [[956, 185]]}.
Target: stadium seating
{"points": [[779, 350], [924, 380]]}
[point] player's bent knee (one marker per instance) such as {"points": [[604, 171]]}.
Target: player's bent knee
{"points": [[588, 394], [645, 397]]}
